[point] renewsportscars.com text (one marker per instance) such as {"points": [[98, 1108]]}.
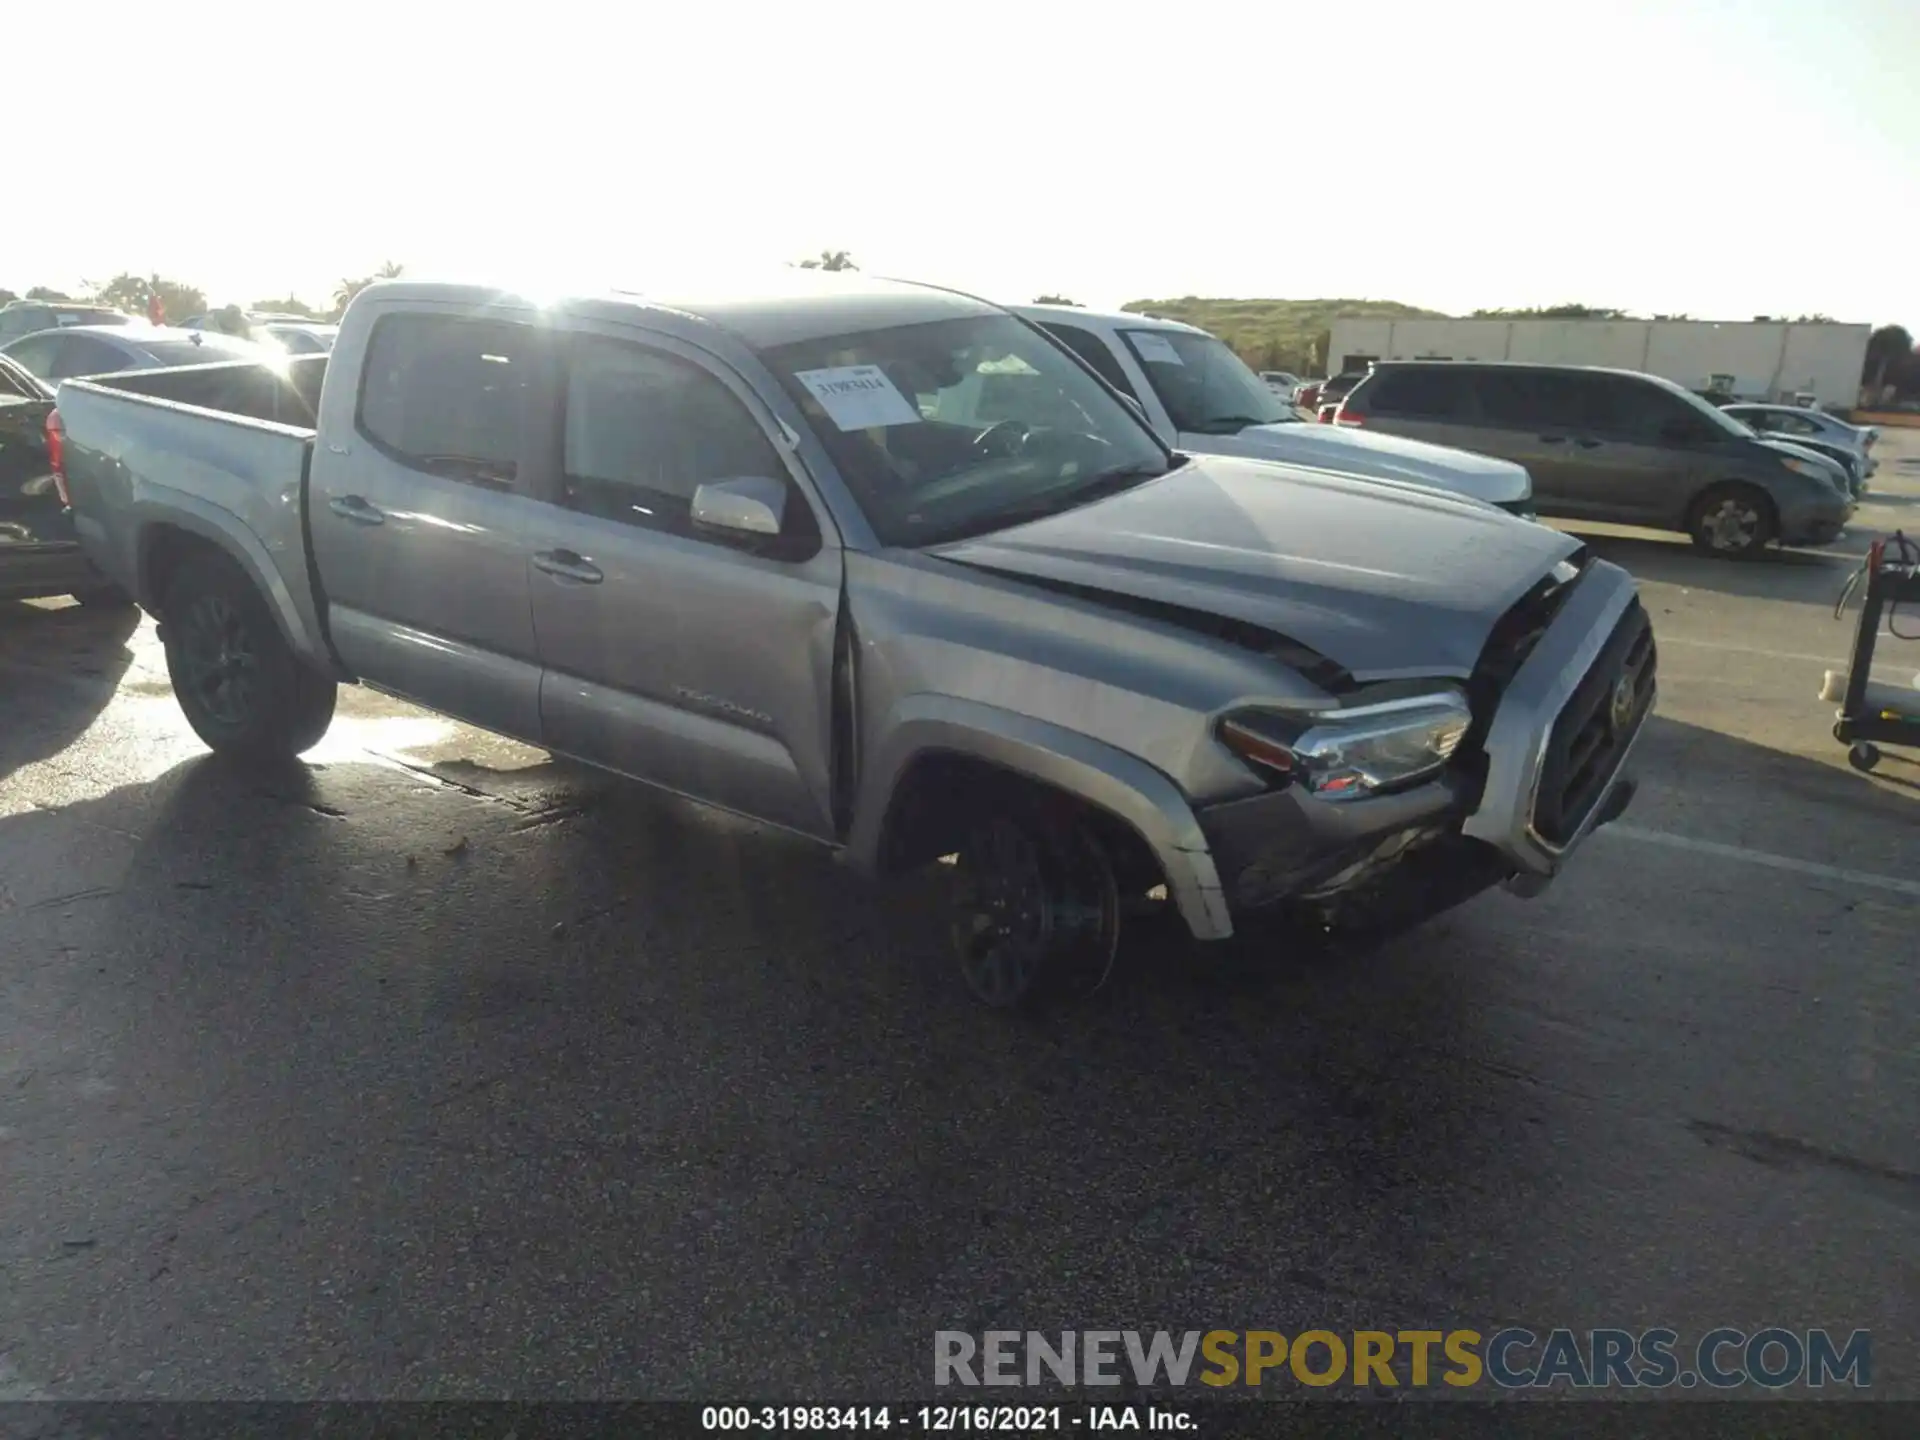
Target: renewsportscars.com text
{"points": [[1772, 1357]]}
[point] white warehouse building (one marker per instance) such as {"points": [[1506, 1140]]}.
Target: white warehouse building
{"points": [[1761, 360]]}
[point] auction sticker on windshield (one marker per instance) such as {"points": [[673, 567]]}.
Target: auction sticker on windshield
{"points": [[858, 397], [1155, 349]]}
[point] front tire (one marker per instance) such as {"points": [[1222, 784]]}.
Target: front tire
{"points": [[240, 685], [1035, 909], [1732, 522]]}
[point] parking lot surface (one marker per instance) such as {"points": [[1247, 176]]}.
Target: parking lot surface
{"points": [[434, 1068]]}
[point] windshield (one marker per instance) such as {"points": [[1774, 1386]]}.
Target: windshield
{"points": [[960, 427], [1207, 389], [1722, 421], [211, 350]]}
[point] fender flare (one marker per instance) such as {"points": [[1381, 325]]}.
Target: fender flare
{"points": [[1112, 780], [219, 528]]}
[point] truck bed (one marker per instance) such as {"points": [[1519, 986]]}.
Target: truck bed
{"points": [[219, 451], [286, 395]]}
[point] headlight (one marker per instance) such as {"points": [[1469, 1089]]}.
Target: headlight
{"points": [[1348, 754], [1813, 470]]}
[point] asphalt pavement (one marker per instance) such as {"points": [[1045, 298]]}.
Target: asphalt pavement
{"points": [[433, 1068]]}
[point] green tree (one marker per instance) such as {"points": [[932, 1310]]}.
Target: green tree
{"points": [[830, 260], [42, 292], [1553, 312], [347, 289], [1887, 348], [286, 305], [130, 292], [7, 297], [1055, 300]]}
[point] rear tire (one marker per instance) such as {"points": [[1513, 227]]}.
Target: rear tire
{"points": [[1732, 522], [240, 685]]}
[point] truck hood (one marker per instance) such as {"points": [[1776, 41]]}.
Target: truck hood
{"points": [[1380, 457], [1384, 580]]}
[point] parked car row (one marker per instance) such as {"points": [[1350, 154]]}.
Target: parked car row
{"points": [[896, 570], [1614, 445], [40, 552], [1201, 398]]}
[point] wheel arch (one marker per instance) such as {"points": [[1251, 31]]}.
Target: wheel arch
{"points": [[935, 748], [167, 543]]}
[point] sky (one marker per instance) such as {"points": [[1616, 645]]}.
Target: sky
{"points": [[1719, 159]]}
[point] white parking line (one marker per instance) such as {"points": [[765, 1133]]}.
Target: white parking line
{"points": [[1881, 669], [1761, 857]]}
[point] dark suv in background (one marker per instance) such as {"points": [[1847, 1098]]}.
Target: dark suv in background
{"points": [[29, 317], [1614, 445]]}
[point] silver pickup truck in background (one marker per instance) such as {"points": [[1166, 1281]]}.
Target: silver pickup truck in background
{"points": [[753, 549]]}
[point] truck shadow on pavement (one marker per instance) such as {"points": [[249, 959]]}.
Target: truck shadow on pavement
{"points": [[444, 1080], [59, 668]]}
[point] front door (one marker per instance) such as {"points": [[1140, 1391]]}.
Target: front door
{"points": [[420, 508], [1632, 442], [687, 659]]}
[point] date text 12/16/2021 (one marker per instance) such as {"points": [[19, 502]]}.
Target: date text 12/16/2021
{"points": [[941, 1419]]}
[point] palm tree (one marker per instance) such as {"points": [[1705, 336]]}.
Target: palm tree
{"points": [[347, 289], [830, 260]]}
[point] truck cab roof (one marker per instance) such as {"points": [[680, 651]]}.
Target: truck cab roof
{"points": [[778, 307]]}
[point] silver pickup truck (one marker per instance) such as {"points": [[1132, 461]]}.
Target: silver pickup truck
{"points": [[753, 549]]}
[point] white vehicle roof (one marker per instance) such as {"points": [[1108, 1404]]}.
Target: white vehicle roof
{"points": [[1106, 320]]}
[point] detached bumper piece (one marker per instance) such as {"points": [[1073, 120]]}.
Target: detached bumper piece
{"points": [[1558, 745]]}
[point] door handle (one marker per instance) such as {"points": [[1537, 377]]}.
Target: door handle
{"points": [[1554, 439], [1586, 444], [356, 509], [568, 566]]}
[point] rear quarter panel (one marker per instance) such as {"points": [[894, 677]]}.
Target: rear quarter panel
{"points": [[137, 463]]}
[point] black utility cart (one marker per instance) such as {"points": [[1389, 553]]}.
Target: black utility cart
{"points": [[1892, 578]]}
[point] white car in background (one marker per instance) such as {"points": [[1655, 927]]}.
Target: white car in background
{"points": [[1201, 398], [1282, 382]]}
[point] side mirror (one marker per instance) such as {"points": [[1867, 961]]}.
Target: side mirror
{"points": [[751, 505]]}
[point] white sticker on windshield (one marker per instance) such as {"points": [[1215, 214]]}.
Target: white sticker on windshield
{"points": [[858, 397], [1155, 349]]}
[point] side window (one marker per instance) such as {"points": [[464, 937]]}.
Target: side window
{"points": [[448, 395], [1564, 401], [1508, 399], [1426, 394], [644, 430], [1092, 349], [1637, 409], [83, 355], [35, 354]]}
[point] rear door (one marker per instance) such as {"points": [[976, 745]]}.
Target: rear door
{"points": [[1433, 403], [420, 510], [1529, 416], [696, 661]]}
